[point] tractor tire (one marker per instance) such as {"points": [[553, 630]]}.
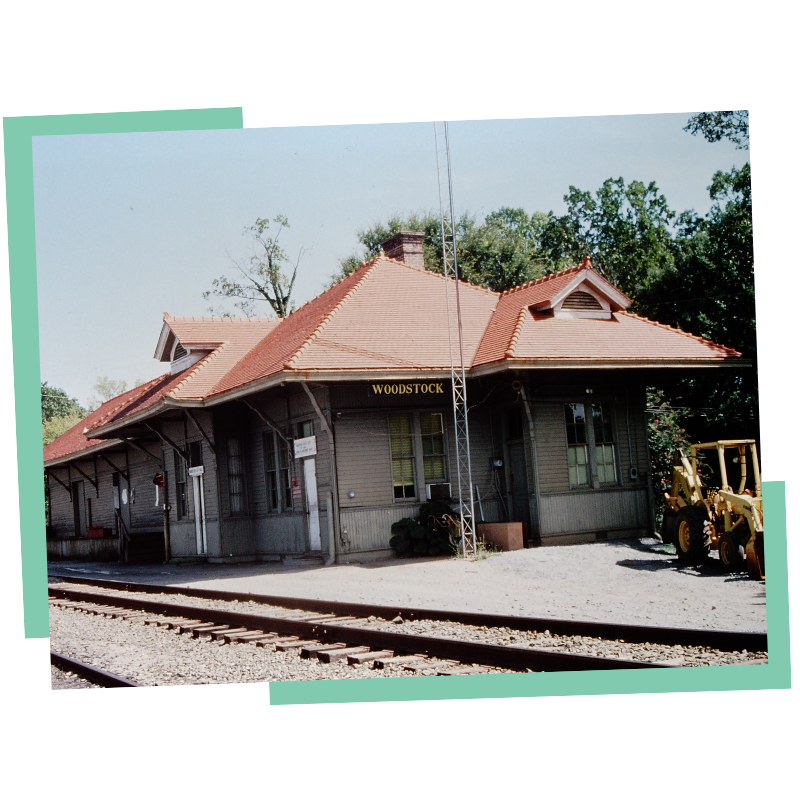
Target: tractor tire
{"points": [[691, 541], [668, 525], [731, 552]]}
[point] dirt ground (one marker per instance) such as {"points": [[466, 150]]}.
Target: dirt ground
{"points": [[630, 581]]}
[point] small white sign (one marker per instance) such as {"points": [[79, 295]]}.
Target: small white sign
{"points": [[305, 447], [195, 471]]}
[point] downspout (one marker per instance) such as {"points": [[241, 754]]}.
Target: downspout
{"points": [[333, 510], [167, 548], [534, 458]]}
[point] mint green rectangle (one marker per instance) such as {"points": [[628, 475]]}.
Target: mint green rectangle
{"points": [[17, 134], [774, 675]]}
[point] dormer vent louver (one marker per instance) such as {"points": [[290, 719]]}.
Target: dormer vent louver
{"points": [[180, 352], [581, 301]]}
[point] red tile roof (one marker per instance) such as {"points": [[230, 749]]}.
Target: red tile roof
{"points": [[625, 337], [74, 440], [388, 316]]}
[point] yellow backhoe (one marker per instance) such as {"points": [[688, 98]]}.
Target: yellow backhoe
{"points": [[700, 519]]}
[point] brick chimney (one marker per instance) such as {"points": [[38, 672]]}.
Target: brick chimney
{"points": [[406, 246]]}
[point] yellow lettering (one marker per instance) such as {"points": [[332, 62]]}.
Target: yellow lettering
{"points": [[395, 389], [439, 388], [416, 388], [387, 389], [401, 389], [408, 388], [376, 388], [424, 388]]}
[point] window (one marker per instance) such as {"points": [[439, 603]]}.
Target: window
{"points": [[284, 463], [271, 470], [196, 454], [305, 429], [401, 439], [276, 467], [576, 445], [235, 476], [604, 443], [590, 448], [433, 458], [181, 501]]}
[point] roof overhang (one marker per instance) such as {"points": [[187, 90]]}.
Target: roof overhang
{"points": [[86, 452], [608, 363]]}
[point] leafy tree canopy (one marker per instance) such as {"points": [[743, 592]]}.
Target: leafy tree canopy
{"points": [[625, 228], [57, 403], [261, 278], [718, 125]]}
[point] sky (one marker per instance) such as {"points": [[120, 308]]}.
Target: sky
{"points": [[129, 226]]}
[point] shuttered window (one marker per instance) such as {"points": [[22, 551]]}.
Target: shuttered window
{"points": [[432, 430], [402, 446]]}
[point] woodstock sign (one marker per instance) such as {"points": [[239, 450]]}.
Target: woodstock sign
{"points": [[415, 387]]}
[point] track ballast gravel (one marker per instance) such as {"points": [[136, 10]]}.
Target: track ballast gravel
{"points": [[154, 656]]}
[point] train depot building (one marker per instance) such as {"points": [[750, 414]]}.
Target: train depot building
{"points": [[307, 437]]}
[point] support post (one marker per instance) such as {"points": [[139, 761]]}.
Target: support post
{"points": [[334, 510]]}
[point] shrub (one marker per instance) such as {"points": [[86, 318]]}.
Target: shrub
{"points": [[427, 535]]}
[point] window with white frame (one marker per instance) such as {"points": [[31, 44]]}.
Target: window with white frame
{"points": [[591, 449]]}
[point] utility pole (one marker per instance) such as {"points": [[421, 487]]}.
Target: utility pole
{"points": [[458, 381]]}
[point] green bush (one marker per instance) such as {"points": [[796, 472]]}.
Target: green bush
{"points": [[426, 535]]}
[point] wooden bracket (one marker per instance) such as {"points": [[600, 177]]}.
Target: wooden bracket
{"points": [[184, 454], [197, 425], [58, 480], [267, 421], [146, 452], [113, 466], [93, 481]]}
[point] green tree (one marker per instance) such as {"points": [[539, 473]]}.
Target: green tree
{"points": [[262, 277], [627, 229], [57, 403], [502, 251], [710, 292], [718, 125], [56, 426]]}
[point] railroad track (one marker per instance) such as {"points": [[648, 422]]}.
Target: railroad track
{"points": [[334, 631], [92, 674]]}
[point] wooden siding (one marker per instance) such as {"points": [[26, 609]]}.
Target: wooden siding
{"points": [[365, 529], [601, 510]]}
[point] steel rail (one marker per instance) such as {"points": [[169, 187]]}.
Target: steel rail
{"points": [[727, 641], [92, 674], [504, 656]]}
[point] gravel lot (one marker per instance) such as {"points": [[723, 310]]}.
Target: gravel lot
{"points": [[627, 581], [154, 656]]}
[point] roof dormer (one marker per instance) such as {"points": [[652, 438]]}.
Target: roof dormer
{"points": [[180, 355], [587, 296]]}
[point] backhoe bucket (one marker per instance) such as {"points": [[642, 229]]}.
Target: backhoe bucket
{"points": [[754, 552]]}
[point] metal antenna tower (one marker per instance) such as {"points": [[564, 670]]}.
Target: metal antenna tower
{"points": [[456, 340]]}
